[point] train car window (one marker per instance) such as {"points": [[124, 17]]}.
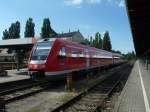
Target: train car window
{"points": [[94, 55], [62, 52], [75, 53], [80, 53], [41, 50], [87, 53]]}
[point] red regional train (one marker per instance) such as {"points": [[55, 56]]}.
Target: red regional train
{"points": [[57, 56]]}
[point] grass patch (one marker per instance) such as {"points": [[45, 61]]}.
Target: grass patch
{"points": [[34, 109], [67, 96]]}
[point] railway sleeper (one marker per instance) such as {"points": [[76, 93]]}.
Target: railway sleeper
{"points": [[95, 102], [103, 92], [79, 107], [92, 97], [90, 107], [72, 109], [96, 89], [83, 102]]}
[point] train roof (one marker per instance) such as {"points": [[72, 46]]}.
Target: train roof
{"points": [[68, 42], [71, 43], [117, 54]]}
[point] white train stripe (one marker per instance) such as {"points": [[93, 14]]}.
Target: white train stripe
{"points": [[37, 62]]}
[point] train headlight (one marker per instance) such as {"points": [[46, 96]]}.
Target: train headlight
{"points": [[37, 66], [42, 66]]}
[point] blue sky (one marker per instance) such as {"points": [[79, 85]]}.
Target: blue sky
{"points": [[89, 16]]}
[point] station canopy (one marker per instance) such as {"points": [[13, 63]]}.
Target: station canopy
{"points": [[18, 43], [139, 17], [23, 43]]}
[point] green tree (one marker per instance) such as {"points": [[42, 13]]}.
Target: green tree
{"points": [[14, 30], [87, 42], [97, 42], [5, 34], [46, 30], [17, 29], [107, 42], [116, 51], [129, 56], [94, 43], [91, 41], [100, 42], [29, 28]]}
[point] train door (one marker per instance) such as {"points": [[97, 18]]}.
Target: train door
{"points": [[87, 58], [62, 58]]}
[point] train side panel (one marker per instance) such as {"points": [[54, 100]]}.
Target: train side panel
{"points": [[65, 55]]}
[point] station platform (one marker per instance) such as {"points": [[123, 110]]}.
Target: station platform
{"points": [[135, 96], [15, 75]]}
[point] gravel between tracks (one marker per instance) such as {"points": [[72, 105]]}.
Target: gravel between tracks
{"points": [[48, 100], [40, 102]]}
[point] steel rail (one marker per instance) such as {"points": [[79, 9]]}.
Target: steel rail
{"points": [[22, 92], [104, 92]]}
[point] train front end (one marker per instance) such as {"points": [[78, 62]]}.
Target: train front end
{"points": [[38, 58]]}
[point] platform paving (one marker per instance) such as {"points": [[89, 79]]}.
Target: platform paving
{"points": [[14, 75], [135, 96]]}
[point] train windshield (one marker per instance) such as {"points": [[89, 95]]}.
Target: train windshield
{"points": [[41, 50]]}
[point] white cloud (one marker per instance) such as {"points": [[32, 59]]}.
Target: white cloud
{"points": [[79, 2], [121, 3], [73, 2], [93, 1]]}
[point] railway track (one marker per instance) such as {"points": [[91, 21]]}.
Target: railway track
{"points": [[16, 87], [14, 84], [20, 92], [93, 99], [23, 90]]}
